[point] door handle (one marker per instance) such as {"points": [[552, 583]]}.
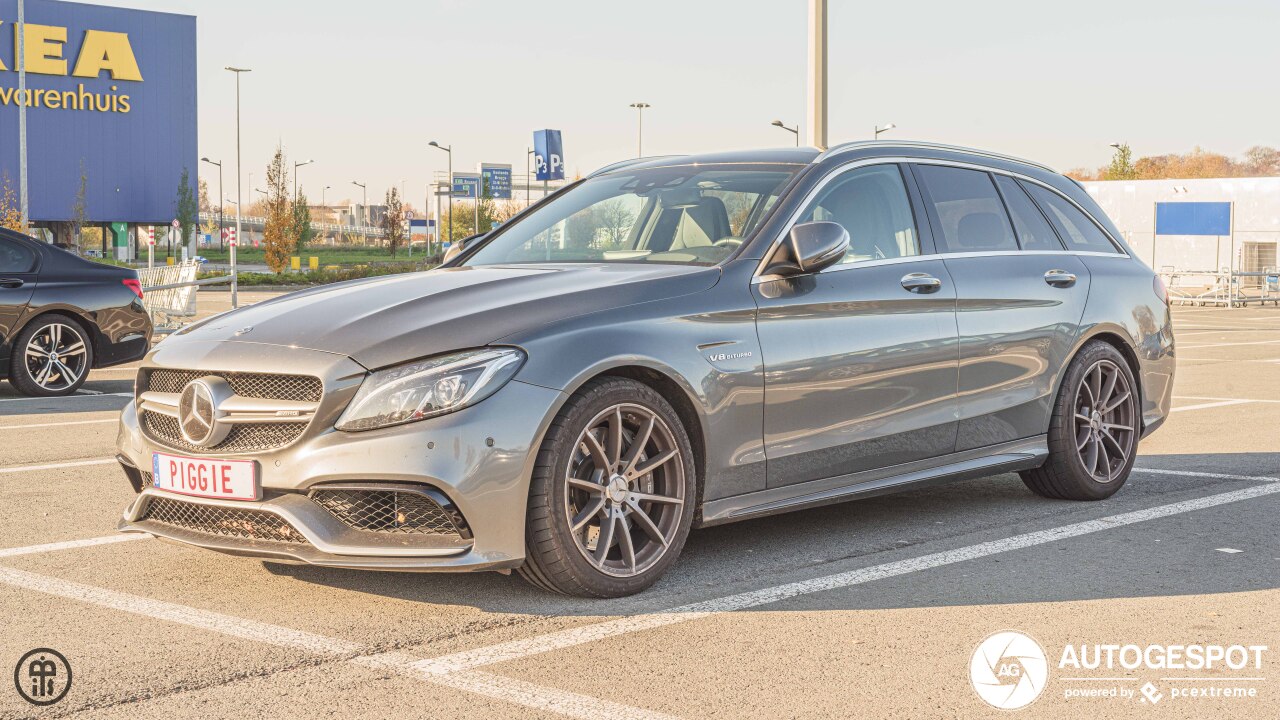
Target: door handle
{"points": [[11, 282], [921, 283], [1060, 278]]}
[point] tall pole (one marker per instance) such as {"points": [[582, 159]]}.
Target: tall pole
{"points": [[640, 128], [221, 198], [527, 196], [295, 178], [235, 297], [818, 73], [22, 117]]}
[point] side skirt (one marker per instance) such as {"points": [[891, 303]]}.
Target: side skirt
{"points": [[1005, 457]]}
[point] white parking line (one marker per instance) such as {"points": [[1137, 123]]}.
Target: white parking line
{"points": [[66, 397], [59, 424], [55, 466], [494, 686], [1203, 406], [1215, 476], [517, 649], [1205, 397], [70, 544], [1230, 344]]}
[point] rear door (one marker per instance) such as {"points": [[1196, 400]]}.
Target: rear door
{"points": [[18, 263], [1020, 297], [860, 359]]}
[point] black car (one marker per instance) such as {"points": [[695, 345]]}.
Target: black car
{"points": [[62, 315]]}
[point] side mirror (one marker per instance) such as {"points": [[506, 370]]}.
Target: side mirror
{"points": [[818, 245]]}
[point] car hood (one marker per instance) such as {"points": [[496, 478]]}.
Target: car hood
{"points": [[396, 318]]}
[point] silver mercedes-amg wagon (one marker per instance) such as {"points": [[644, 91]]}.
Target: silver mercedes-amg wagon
{"points": [[669, 343]]}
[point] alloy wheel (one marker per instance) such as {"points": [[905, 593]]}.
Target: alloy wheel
{"points": [[1105, 421], [624, 490], [56, 356]]}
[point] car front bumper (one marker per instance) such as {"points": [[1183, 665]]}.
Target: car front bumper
{"points": [[478, 459]]}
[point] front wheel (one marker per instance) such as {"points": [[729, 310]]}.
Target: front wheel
{"points": [[612, 494], [1093, 435]]}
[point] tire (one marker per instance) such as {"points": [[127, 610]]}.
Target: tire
{"points": [[52, 357], [1091, 447], [609, 531]]}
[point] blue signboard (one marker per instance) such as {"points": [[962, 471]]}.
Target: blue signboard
{"points": [[497, 181], [466, 186], [1193, 218], [110, 90], [548, 155]]}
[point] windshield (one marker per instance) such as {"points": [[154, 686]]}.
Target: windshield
{"points": [[691, 215]]}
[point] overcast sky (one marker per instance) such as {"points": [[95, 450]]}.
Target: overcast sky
{"points": [[361, 87]]}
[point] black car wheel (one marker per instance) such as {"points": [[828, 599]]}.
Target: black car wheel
{"points": [[1093, 436], [52, 356], [612, 493]]}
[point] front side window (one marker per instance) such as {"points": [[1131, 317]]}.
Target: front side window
{"points": [[871, 204], [969, 210], [15, 258], [1034, 232], [1079, 232], [689, 215]]}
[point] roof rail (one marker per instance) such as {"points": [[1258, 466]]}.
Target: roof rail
{"points": [[858, 144], [627, 163]]}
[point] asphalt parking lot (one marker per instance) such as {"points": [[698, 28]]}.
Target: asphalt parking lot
{"points": [[868, 609]]}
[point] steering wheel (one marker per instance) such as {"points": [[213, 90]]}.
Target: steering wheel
{"points": [[728, 242]]}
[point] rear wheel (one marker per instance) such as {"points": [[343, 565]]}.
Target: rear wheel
{"points": [[1093, 436], [52, 356], [612, 494]]}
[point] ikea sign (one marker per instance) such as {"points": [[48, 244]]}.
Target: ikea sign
{"points": [[111, 104]]}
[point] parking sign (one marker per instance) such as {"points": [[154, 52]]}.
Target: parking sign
{"points": [[548, 155]]}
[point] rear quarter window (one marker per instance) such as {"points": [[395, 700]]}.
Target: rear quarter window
{"points": [[1076, 229]]}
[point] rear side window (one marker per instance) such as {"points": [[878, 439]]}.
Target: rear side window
{"points": [[1034, 232], [15, 258], [968, 208], [1079, 232]]}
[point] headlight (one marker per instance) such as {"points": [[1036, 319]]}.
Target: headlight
{"points": [[431, 387]]}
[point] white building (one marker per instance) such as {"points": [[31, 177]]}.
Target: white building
{"points": [[1255, 226]]}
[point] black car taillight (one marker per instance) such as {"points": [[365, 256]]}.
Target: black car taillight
{"points": [[134, 285]]}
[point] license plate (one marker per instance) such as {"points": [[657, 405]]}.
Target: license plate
{"points": [[202, 477]]}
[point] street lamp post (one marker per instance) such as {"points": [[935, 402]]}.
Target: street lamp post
{"points": [[528, 157], [886, 128], [818, 74], [448, 149], [639, 106], [295, 178], [793, 130], [324, 190], [22, 117], [365, 188], [220, 197], [234, 284]]}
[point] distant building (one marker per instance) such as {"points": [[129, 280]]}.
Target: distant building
{"points": [[357, 214], [1254, 228]]}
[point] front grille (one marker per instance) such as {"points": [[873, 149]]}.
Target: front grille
{"points": [[148, 480], [270, 386], [388, 511], [243, 438], [222, 521]]}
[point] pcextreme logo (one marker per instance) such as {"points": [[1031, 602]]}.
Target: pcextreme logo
{"points": [[46, 52]]}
